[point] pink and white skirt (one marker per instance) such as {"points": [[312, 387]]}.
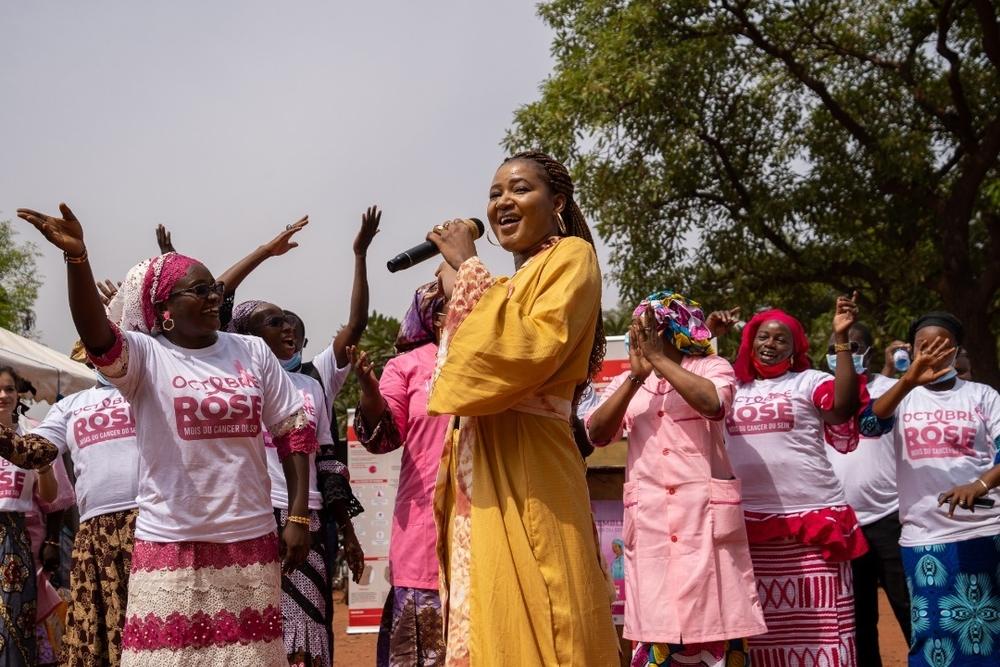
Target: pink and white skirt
{"points": [[202, 603]]}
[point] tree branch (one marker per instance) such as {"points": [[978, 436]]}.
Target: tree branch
{"points": [[801, 73], [944, 22], [991, 30]]}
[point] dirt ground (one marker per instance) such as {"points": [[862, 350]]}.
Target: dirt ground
{"points": [[359, 650]]}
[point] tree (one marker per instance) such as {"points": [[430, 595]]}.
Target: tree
{"points": [[19, 281], [378, 341], [759, 152]]}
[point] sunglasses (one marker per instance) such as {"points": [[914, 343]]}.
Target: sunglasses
{"points": [[855, 349], [202, 291], [278, 321]]}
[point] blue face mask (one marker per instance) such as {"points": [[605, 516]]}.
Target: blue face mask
{"points": [[858, 359], [950, 375], [101, 380], [292, 362]]}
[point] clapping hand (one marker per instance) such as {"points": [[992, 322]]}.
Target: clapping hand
{"points": [[163, 240], [721, 322], [65, 233], [639, 365]]}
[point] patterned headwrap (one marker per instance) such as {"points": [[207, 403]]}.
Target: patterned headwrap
{"points": [[418, 324], [680, 320], [240, 323], [800, 361], [150, 281]]}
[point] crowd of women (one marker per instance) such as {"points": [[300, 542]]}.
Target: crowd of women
{"points": [[765, 501]]}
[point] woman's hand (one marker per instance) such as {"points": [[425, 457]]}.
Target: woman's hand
{"points": [[889, 367], [721, 322], [845, 314], [294, 546], [163, 240], [963, 496], [107, 290], [49, 557], [929, 355], [370, 220], [639, 365], [363, 367], [455, 241], [354, 554], [65, 233], [282, 243], [650, 340]]}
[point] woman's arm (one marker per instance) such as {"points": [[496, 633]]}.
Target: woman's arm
{"points": [[606, 421], [698, 392], [845, 384], [66, 233], [920, 372], [48, 485], [26, 451], [358, 317], [279, 245]]}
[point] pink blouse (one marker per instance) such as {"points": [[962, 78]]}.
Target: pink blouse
{"points": [[404, 385]]}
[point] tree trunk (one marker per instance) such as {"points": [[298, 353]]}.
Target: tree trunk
{"points": [[979, 341]]}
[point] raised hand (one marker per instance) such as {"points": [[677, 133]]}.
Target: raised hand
{"points": [[163, 240], [650, 340], [107, 290], [282, 243], [638, 363], [929, 355], [370, 220], [845, 313], [363, 367], [65, 233], [721, 322]]}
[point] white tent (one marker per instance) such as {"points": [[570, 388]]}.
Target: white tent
{"points": [[53, 374]]}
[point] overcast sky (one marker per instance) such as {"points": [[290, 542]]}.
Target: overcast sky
{"points": [[227, 120]]}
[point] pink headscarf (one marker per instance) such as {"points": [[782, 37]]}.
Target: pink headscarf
{"points": [[744, 365], [150, 281]]}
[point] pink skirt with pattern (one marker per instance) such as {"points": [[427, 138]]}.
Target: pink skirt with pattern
{"points": [[202, 603]]}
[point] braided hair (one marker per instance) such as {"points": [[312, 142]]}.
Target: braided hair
{"points": [[558, 180]]}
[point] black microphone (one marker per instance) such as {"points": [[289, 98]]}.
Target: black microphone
{"points": [[425, 251]]}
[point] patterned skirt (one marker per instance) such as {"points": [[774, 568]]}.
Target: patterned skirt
{"points": [[17, 593], [808, 606], [305, 622], [954, 603], [728, 653], [193, 604], [411, 633], [102, 559]]}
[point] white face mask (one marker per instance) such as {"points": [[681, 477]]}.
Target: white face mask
{"points": [[858, 359]]}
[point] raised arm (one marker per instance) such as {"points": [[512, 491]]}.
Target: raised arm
{"points": [[845, 382], [89, 318], [698, 392], [350, 334], [920, 372], [606, 421], [279, 245]]}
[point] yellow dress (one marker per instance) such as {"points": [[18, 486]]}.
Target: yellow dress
{"points": [[521, 578]]}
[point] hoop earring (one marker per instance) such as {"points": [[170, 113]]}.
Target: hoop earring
{"points": [[489, 239], [562, 225], [168, 323]]}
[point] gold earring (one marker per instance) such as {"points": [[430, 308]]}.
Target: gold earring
{"points": [[562, 225]]}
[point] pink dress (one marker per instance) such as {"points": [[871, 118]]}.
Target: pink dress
{"points": [[688, 575], [404, 384]]}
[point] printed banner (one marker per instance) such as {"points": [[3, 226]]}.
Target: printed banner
{"points": [[374, 479], [609, 517]]}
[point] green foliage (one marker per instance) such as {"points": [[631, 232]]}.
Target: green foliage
{"points": [[378, 341], [19, 281], [754, 152]]}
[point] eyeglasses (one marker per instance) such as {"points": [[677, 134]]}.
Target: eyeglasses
{"points": [[202, 291], [855, 349], [278, 321]]}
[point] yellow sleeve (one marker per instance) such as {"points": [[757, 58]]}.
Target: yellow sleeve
{"points": [[518, 335]]}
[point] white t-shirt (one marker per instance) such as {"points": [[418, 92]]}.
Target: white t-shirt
{"points": [[96, 427], [313, 401], [774, 434], [943, 439], [868, 474], [198, 413], [333, 376], [16, 484]]}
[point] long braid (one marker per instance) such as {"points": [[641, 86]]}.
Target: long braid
{"points": [[558, 179]]}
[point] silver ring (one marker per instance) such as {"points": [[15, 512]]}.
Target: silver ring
{"points": [[288, 226]]}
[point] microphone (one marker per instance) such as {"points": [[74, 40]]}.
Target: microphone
{"points": [[426, 250]]}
